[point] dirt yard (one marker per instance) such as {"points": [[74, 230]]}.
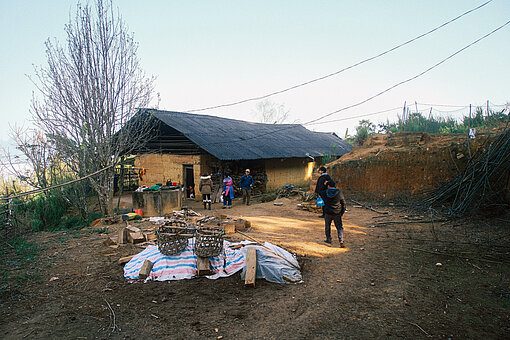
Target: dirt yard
{"points": [[410, 279]]}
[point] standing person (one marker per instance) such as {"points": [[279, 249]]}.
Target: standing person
{"points": [[228, 192], [334, 208], [246, 184], [320, 186], [205, 188]]}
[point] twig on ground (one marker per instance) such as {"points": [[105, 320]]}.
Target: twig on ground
{"points": [[421, 329], [370, 208], [24, 336], [410, 221], [453, 255], [112, 317]]}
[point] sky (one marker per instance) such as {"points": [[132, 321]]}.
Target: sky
{"points": [[209, 53]]}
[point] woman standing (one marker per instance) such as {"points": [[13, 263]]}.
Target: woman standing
{"points": [[228, 192], [205, 188]]}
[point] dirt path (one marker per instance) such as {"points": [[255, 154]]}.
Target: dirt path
{"points": [[376, 287]]}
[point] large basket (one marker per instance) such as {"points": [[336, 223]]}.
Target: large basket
{"points": [[208, 241], [173, 237]]}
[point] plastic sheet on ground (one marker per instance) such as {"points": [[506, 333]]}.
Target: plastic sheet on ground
{"points": [[183, 265], [272, 267]]}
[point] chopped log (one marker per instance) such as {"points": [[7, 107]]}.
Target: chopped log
{"points": [[150, 236], [241, 224], [146, 269], [125, 259], [109, 241], [133, 229], [203, 267], [123, 235], [230, 228], [251, 266], [136, 238]]}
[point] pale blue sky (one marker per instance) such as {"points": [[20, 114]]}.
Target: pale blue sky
{"points": [[206, 53]]}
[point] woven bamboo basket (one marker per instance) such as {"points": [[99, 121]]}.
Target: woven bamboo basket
{"points": [[173, 237], [208, 241]]}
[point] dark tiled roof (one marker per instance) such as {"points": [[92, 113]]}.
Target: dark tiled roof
{"points": [[231, 139]]}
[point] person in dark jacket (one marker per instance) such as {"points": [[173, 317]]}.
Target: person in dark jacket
{"points": [[321, 186], [205, 188], [334, 208], [246, 184]]}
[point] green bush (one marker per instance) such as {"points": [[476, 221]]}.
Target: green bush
{"points": [[416, 122], [50, 212], [363, 131]]}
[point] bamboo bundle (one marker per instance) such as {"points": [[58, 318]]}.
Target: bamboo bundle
{"points": [[477, 186]]}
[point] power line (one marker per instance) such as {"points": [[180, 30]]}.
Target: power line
{"points": [[379, 93], [412, 78], [36, 191], [344, 69], [443, 105], [358, 116]]}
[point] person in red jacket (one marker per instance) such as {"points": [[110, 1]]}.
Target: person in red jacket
{"points": [[334, 208]]}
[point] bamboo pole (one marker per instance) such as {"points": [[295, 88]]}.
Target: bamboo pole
{"points": [[270, 250]]}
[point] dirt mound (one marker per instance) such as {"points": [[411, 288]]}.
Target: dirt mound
{"points": [[405, 163]]}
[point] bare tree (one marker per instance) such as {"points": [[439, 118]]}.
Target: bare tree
{"points": [[37, 164], [271, 113], [32, 163], [89, 91]]}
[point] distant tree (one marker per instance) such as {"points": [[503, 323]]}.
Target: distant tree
{"points": [[271, 113], [37, 164], [363, 131], [90, 88]]}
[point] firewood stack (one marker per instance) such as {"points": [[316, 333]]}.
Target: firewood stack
{"points": [[259, 181]]}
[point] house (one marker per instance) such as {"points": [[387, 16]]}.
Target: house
{"points": [[187, 145]]}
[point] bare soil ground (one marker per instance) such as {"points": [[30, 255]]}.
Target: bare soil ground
{"points": [[386, 283]]}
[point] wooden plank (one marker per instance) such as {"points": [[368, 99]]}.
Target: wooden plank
{"points": [[123, 234], [125, 259], [150, 236], [146, 269], [203, 267], [136, 238], [251, 266], [230, 228], [133, 229]]}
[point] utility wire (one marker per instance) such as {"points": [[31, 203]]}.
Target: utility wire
{"points": [[344, 69], [461, 106], [359, 116], [412, 78], [377, 94], [54, 186]]}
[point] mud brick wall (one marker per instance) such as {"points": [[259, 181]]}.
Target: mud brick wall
{"points": [[393, 174], [402, 165], [160, 167], [294, 171]]}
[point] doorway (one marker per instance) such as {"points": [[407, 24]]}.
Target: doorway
{"points": [[189, 180]]}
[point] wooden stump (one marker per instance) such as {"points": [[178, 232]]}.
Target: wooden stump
{"points": [[203, 266], [146, 269], [251, 266], [122, 239]]}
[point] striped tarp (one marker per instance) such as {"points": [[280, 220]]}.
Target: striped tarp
{"points": [[184, 265]]}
